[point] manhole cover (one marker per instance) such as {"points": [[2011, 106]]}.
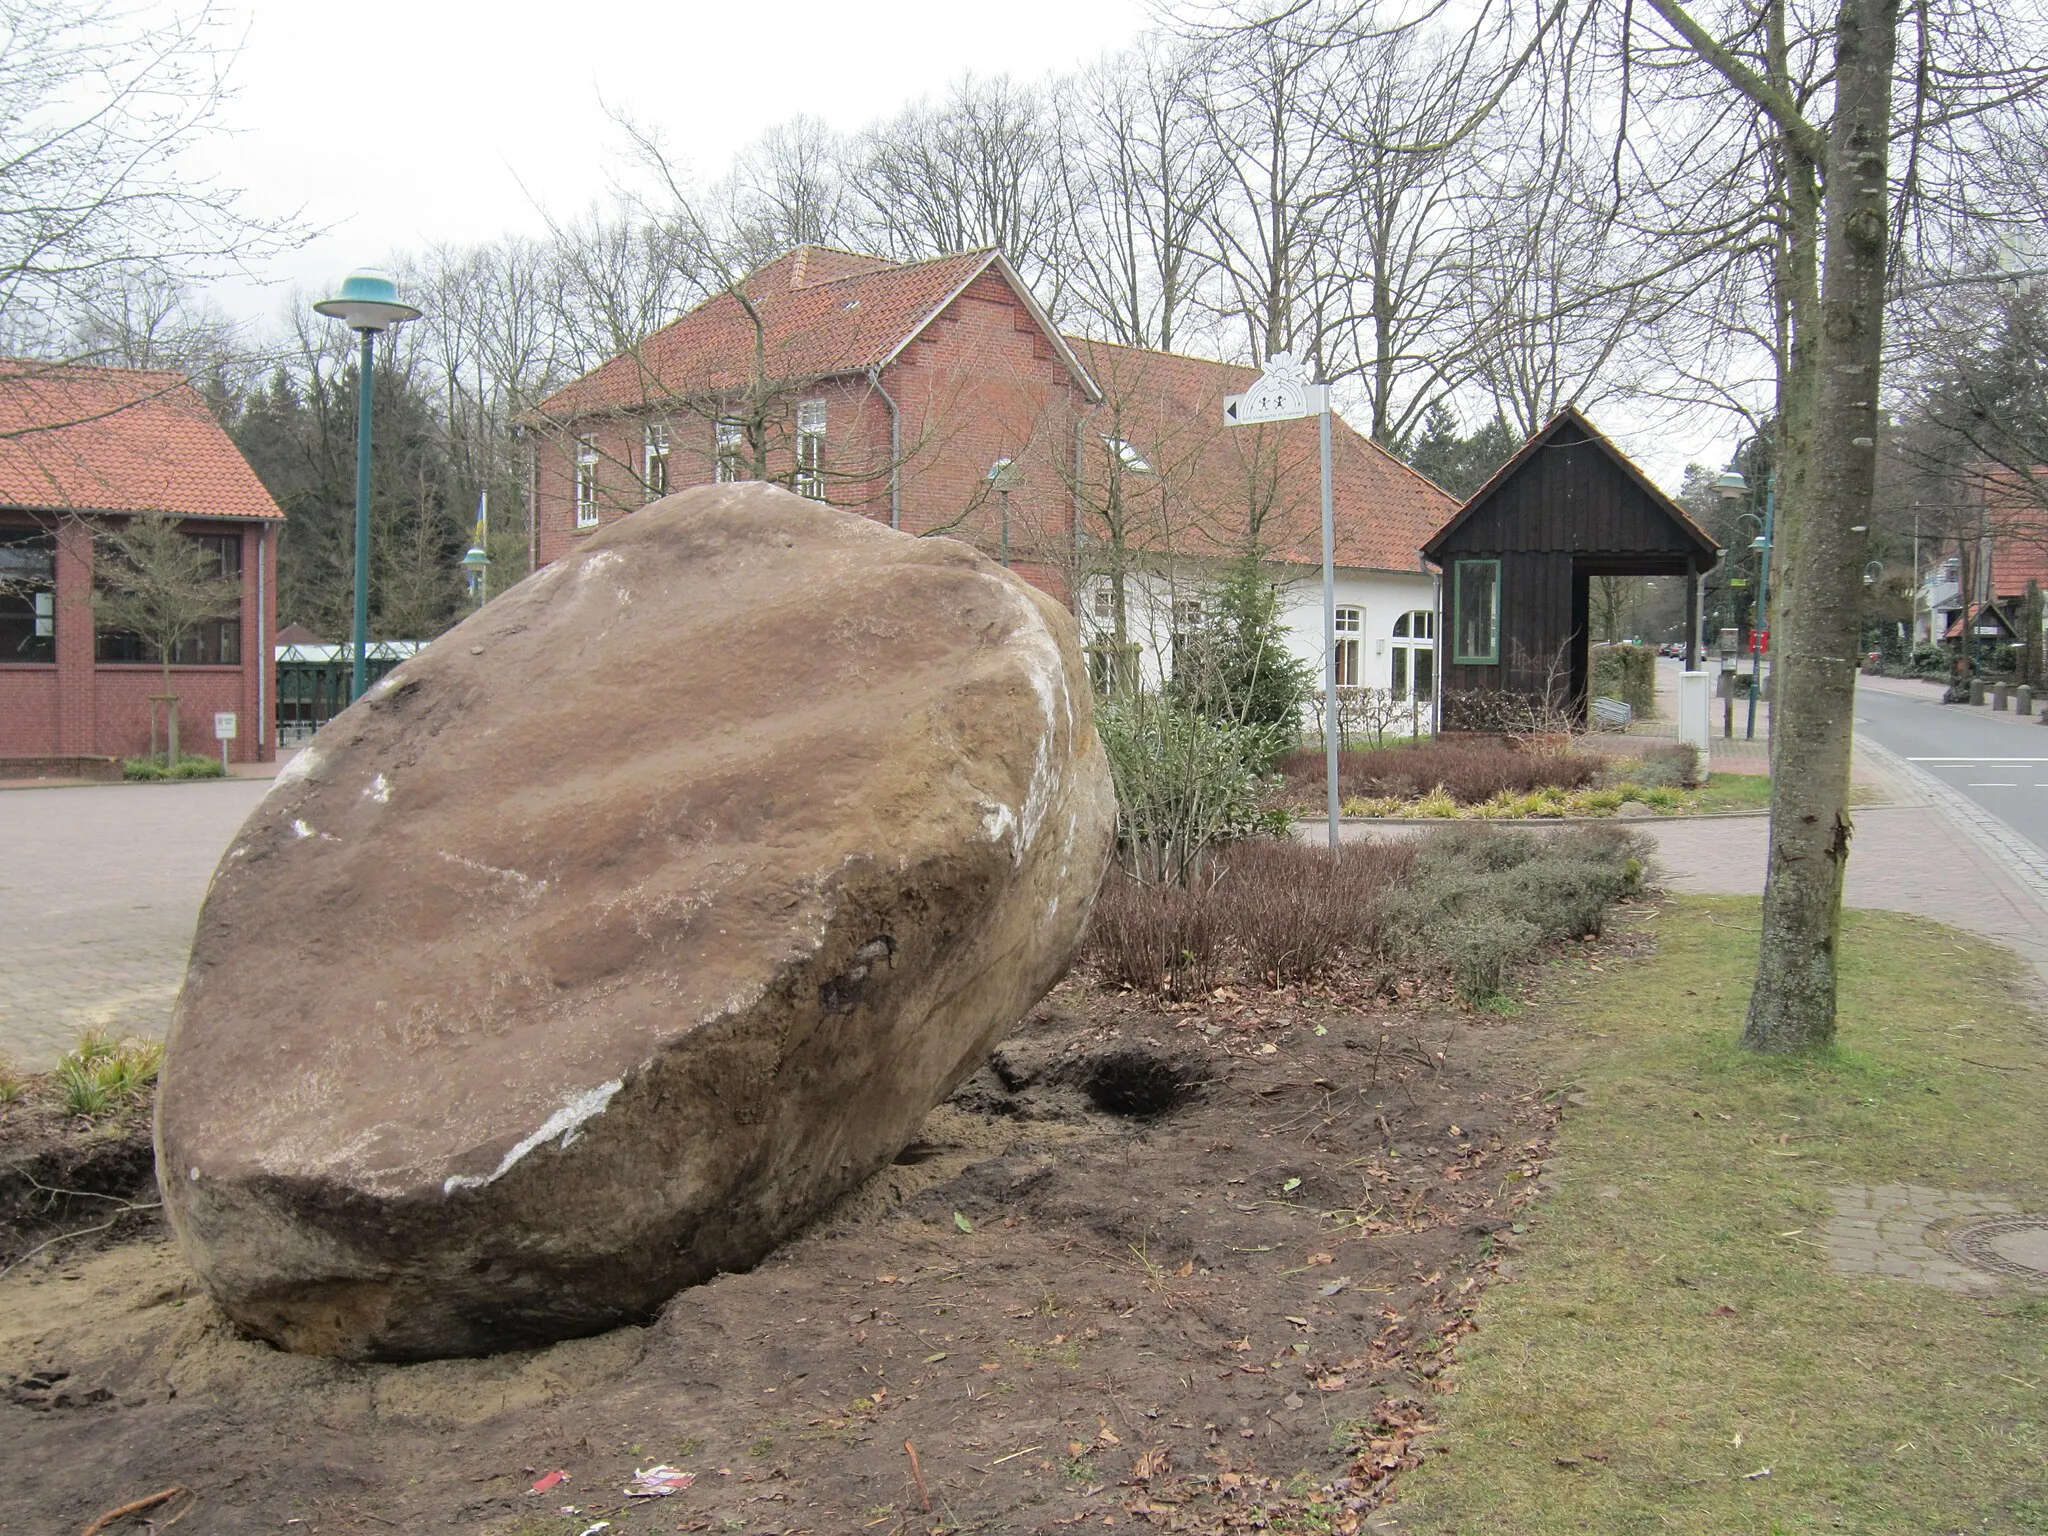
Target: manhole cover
{"points": [[2005, 1245]]}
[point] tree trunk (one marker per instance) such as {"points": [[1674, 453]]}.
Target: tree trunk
{"points": [[1792, 1006]]}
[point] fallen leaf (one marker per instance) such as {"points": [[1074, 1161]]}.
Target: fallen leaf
{"points": [[1722, 1311], [962, 1222], [1290, 1186], [1322, 1258], [935, 1357]]}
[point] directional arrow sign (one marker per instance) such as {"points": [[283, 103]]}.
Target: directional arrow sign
{"points": [[1282, 393]]}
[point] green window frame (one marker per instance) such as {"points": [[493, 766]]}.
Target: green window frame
{"points": [[1475, 613]]}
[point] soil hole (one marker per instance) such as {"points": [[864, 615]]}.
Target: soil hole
{"points": [[1136, 1083]]}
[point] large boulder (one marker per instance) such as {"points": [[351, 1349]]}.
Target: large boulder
{"points": [[612, 938]]}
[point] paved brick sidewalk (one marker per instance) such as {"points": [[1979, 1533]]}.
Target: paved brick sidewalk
{"points": [[99, 891]]}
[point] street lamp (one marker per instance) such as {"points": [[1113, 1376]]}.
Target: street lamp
{"points": [[368, 303], [1871, 572], [474, 564]]}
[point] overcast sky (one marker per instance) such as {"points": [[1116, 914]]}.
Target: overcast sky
{"points": [[392, 125]]}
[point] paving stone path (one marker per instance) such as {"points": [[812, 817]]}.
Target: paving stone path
{"points": [[1894, 1230], [99, 891]]}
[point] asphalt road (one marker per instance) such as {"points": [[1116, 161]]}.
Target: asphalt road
{"points": [[1998, 761]]}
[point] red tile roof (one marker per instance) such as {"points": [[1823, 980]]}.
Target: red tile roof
{"points": [[1169, 408], [823, 313], [118, 440], [2017, 516]]}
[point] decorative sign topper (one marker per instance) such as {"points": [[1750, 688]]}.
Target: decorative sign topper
{"points": [[1284, 392]]}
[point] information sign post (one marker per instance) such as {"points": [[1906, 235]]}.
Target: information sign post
{"points": [[1283, 392]]}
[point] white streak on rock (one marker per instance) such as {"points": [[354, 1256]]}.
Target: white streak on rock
{"points": [[562, 1128], [300, 829], [379, 790], [531, 886]]}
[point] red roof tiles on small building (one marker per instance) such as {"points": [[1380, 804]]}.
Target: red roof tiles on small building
{"points": [[118, 440], [1170, 408]]}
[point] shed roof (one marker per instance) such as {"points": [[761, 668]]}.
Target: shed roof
{"points": [[1576, 429], [87, 439]]}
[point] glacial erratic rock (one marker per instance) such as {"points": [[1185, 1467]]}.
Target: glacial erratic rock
{"points": [[608, 941]]}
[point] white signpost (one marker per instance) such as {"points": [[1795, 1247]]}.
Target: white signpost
{"points": [[1284, 392], [224, 724]]}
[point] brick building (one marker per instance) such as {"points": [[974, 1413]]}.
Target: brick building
{"points": [[82, 446], [938, 397]]}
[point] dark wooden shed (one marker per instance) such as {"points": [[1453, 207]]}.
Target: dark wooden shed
{"points": [[1518, 559]]}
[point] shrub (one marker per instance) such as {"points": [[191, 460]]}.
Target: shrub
{"points": [[187, 766], [13, 1086], [1483, 898], [1155, 938], [1628, 673], [1279, 910], [1674, 766], [1184, 783], [1470, 770], [1236, 667]]}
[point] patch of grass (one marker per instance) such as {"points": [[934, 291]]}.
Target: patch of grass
{"points": [[13, 1086], [102, 1074], [188, 766], [1673, 1327]]}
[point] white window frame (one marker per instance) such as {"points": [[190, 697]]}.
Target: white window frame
{"points": [[586, 481], [1128, 455], [1414, 633], [654, 461], [1349, 623], [728, 448], [809, 479]]}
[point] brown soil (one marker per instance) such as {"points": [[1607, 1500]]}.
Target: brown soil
{"points": [[1193, 1267]]}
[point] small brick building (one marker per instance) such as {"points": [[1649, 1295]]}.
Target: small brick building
{"points": [[936, 396], [80, 447]]}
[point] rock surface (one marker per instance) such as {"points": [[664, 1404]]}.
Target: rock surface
{"points": [[611, 939]]}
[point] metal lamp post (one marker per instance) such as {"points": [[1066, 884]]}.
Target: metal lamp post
{"points": [[368, 303]]}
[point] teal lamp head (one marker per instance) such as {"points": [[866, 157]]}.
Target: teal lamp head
{"points": [[368, 301]]}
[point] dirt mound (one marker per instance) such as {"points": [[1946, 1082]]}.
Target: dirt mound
{"points": [[1183, 1267]]}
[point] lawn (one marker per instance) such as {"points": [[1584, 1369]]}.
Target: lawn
{"points": [[1672, 1353]]}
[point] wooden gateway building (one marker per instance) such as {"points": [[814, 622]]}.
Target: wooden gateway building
{"points": [[1517, 564]]}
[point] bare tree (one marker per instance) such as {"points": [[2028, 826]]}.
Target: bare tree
{"points": [[1139, 172], [98, 104], [157, 583]]}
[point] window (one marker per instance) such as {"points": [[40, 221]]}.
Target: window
{"points": [[586, 482], [1105, 604], [216, 643], [1350, 627], [1187, 619], [1414, 659], [810, 450], [1128, 456], [1475, 609], [655, 472], [729, 451], [28, 595]]}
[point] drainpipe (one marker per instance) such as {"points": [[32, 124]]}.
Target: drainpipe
{"points": [[895, 449], [532, 500]]}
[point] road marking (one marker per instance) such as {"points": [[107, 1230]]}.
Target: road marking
{"points": [[1991, 786], [1964, 762], [2024, 861]]}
